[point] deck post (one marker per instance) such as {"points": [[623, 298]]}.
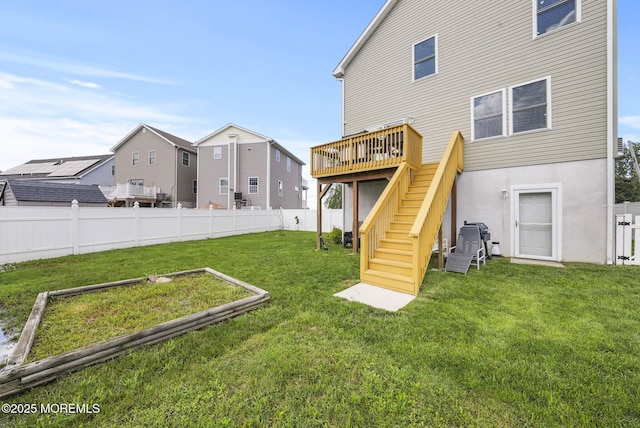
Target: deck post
{"points": [[319, 217], [454, 212], [355, 227]]}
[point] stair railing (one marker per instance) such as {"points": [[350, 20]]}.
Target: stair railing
{"points": [[429, 217], [379, 219]]}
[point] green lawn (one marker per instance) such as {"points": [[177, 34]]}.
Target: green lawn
{"points": [[509, 345]]}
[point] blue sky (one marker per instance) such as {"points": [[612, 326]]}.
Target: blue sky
{"points": [[76, 76]]}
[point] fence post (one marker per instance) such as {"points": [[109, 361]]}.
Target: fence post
{"points": [[75, 226], [179, 220], [136, 224], [623, 239], [210, 221]]}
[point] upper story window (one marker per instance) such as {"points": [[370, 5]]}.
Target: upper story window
{"points": [[424, 58], [488, 113], [530, 106], [186, 158], [253, 185], [217, 152], [288, 164], [135, 158], [152, 157], [553, 14], [277, 155]]}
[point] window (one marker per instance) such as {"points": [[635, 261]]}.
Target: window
{"points": [[224, 186], [553, 14], [185, 159], [113, 170], [152, 157], [135, 158], [424, 58], [277, 155], [288, 164], [253, 185], [195, 186], [217, 152], [487, 112], [280, 188], [530, 106]]}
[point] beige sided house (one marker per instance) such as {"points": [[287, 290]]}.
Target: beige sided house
{"points": [[512, 108], [155, 168], [239, 168]]}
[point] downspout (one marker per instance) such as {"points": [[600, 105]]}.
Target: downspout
{"points": [[175, 179], [229, 188], [612, 120]]}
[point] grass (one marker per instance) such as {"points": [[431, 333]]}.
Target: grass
{"points": [[73, 322], [509, 345]]}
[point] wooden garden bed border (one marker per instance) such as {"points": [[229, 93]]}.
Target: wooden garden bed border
{"points": [[16, 376]]}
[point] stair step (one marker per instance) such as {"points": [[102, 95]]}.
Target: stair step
{"points": [[394, 254], [398, 244], [397, 234], [407, 210], [393, 281], [404, 218], [401, 226], [391, 266]]}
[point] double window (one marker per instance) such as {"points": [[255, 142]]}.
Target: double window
{"points": [[553, 14], [529, 110], [424, 58]]}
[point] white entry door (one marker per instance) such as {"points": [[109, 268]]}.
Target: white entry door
{"points": [[536, 225]]}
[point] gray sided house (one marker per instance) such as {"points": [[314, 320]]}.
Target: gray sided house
{"points": [[530, 85], [154, 168], [40, 193], [238, 168], [97, 169]]}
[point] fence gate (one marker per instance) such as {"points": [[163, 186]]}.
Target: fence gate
{"points": [[625, 231]]}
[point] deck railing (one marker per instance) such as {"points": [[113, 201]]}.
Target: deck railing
{"points": [[429, 218], [384, 148], [381, 215]]}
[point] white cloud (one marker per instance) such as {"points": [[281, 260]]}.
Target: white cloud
{"points": [[631, 121], [41, 61], [40, 119], [90, 85]]}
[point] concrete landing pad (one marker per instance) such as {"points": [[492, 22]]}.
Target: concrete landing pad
{"points": [[377, 297]]}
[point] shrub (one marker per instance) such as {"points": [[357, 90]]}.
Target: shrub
{"points": [[335, 236]]}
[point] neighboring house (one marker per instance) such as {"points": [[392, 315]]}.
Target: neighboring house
{"points": [[238, 168], [530, 85], [154, 168], [98, 169], [40, 193]]}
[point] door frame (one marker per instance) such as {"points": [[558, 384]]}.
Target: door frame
{"points": [[556, 216]]}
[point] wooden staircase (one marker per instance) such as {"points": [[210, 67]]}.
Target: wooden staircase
{"points": [[392, 262]]}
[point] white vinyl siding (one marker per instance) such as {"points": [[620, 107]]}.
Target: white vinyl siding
{"points": [[488, 115], [378, 85]]}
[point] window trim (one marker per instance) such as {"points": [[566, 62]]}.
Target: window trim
{"points": [[534, 18], [188, 158], [135, 158], [257, 185], [503, 91], [154, 158], [220, 186], [435, 57], [548, 104], [217, 152]]}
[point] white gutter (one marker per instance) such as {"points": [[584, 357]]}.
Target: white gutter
{"points": [[612, 120]]}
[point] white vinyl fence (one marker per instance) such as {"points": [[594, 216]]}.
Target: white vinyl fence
{"points": [[626, 233], [29, 233]]}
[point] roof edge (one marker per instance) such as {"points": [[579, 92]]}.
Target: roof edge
{"points": [[338, 73]]}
